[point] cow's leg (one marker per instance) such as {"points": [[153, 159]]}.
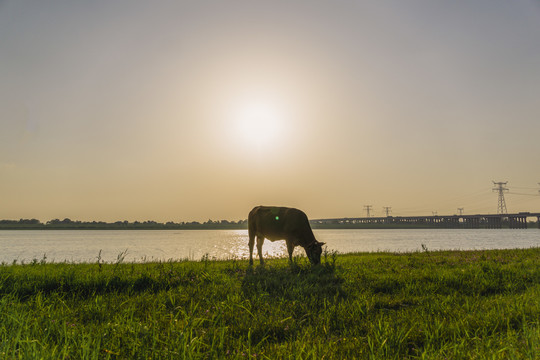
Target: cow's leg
{"points": [[260, 241], [251, 244], [290, 249]]}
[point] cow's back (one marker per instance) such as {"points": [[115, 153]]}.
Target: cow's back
{"points": [[276, 223]]}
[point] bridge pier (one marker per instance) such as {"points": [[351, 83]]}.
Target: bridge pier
{"points": [[517, 222], [494, 222], [472, 222]]}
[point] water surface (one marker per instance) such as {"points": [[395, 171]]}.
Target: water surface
{"points": [[163, 245]]}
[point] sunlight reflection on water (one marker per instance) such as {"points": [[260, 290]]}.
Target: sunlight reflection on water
{"points": [[163, 245], [235, 244]]}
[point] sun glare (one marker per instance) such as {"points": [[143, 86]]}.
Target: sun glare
{"points": [[259, 124]]}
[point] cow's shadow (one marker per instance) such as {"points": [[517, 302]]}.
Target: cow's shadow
{"points": [[294, 281]]}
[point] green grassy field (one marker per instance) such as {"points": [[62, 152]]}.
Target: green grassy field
{"points": [[433, 305]]}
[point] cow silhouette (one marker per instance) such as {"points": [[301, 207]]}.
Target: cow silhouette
{"points": [[282, 223]]}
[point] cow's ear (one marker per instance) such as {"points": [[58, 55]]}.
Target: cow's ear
{"points": [[321, 243]]}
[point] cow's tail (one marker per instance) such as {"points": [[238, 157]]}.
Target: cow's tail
{"points": [[252, 226]]}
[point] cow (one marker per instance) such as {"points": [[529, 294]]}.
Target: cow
{"points": [[282, 223]]}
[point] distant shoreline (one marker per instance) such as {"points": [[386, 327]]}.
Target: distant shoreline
{"points": [[68, 224]]}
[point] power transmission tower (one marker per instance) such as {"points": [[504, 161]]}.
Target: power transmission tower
{"points": [[388, 209], [460, 211], [501, 205], [368, 209]]}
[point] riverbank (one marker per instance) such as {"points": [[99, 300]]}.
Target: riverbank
{"points": [[67, 224], [448, 304]]}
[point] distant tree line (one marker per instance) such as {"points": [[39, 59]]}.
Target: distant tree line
{"points": [[68, 224]]}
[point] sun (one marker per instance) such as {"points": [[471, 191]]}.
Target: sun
{"points": [[259, 124]]}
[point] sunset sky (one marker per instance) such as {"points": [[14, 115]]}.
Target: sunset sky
{"points": [[195, 110]]}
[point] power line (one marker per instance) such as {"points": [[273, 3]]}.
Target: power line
{"points": [[477, 201], [480, 197], [515, 193], [524, 200], [523, 188]]}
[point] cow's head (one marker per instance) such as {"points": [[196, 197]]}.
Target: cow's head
{"points": [[314, 251]]}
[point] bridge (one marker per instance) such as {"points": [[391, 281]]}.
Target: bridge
{"points": [[479, 221]]}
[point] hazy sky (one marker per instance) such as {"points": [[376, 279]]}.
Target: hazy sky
{"points": [[190, 110]]}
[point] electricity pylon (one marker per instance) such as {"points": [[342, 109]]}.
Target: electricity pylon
{"points": [[501, 204], [388, 209], [368, 209], [460, 211]]}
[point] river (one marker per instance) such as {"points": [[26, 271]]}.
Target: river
{"points": [[24, 246]]}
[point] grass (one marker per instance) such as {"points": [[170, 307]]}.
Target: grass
{"points": [[424, 305]]}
